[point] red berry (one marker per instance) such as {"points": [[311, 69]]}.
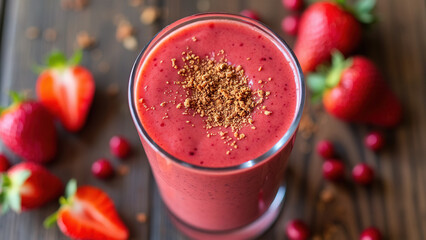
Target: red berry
{"points": [[374, 141], [119, 146], [102, 168], [363, 174], [290, 24], [333, 169], [297, 230], [4, 163], [250, 14], [325, 149], [293, 5], [370, 233]]}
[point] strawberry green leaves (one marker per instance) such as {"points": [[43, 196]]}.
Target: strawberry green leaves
{"points": [[58, 60], [327, 77], [70, 191], [362, 10]]}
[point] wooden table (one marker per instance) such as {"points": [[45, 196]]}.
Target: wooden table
{"points": [[395, 203]]}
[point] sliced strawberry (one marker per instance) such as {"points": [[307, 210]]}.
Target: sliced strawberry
{"points": [[28, 185], [67, 90], [88, 213]]}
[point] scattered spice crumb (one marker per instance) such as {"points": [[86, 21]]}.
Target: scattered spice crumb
{"points": [[267, 113], [327, 195], [307, 126], [76, 5], [194, 39], [130, 43], [140, 100], [124, 30], [141, 217], [113, 89], [32, 33], [84, 40], [135, 3], [248, 58], [150, 15], [203, 5], [316, 237], [103, 67], [123, 170], [163, 104], [260, 68], [49, 35], [179, 106], [96, 54]]}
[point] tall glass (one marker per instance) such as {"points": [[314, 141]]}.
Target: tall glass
{"points": [[237, 202]]}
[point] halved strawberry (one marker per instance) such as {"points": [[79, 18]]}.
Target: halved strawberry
{"points": [[66, 89], [88, 213]]}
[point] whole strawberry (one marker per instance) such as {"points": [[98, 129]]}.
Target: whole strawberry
{"points": [[88, 213], [354, 90], [28, 185], [28, 129], [327, 26], [66, 89]]}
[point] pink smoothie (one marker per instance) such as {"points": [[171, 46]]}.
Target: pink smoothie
{"points": [[241, 46], [216, 200]]}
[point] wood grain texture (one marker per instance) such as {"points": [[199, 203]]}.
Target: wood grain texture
{"points": [[395, 202]]}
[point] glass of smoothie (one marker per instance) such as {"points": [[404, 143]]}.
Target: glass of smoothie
{"points": [[217, 99]]}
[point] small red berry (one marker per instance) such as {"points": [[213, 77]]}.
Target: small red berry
{"points": [[370, 233], [297, 230], [293, 5], [250, 14], [290, 25], [102, 168], [363, 174], [325, 149], [4, 163], [374, 141], [119, 146], [333, 169]]}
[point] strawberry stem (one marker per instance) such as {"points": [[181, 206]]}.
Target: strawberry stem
{"points": [[70, 191], [50, 220]]}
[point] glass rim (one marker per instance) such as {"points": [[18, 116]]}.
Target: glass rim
{"points": [[225, 16]]}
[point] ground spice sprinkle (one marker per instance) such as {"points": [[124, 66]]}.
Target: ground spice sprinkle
{"points": [[217, 91]]}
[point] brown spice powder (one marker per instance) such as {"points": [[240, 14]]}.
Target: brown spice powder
{"points": [[217, 91]]}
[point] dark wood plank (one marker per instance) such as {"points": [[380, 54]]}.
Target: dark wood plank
{"points": [[109, 114], [395, 203]]}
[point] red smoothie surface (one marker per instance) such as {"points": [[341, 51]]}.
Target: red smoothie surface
{"points": [[185, 136]]}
